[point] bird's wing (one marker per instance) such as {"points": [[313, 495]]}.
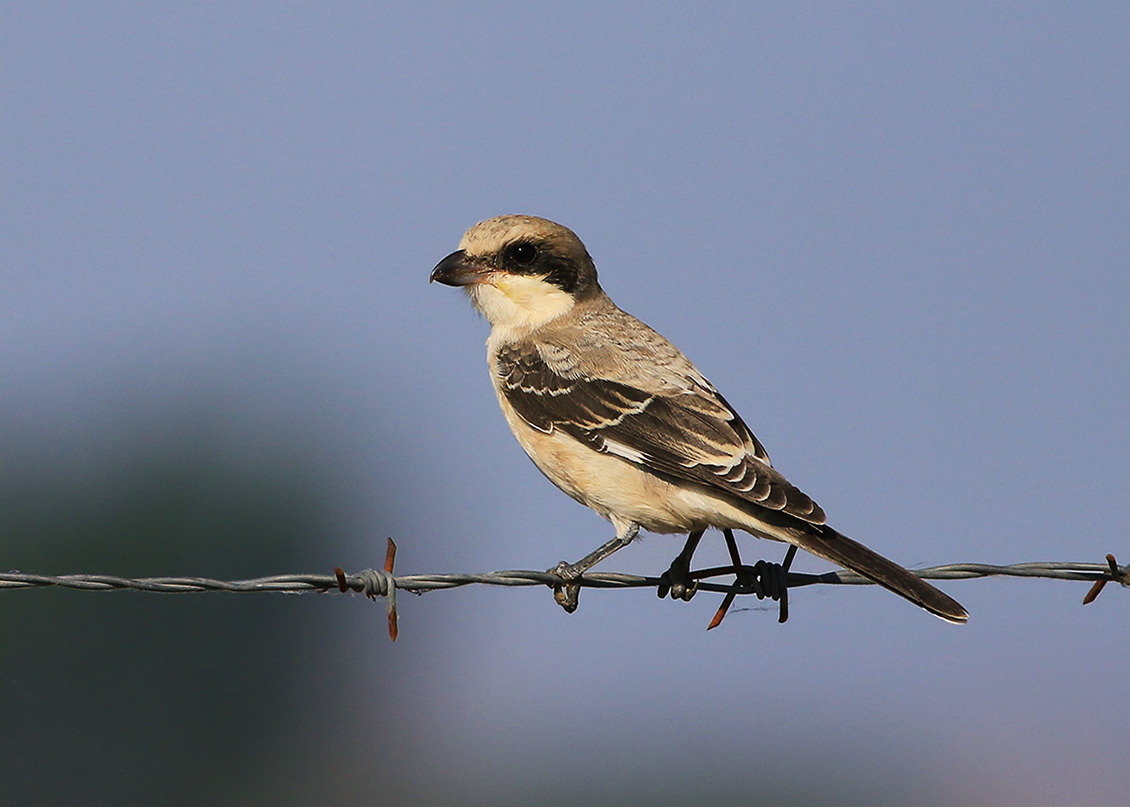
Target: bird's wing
{"points": [[686, 432]]}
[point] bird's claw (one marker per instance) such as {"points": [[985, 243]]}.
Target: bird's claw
{"points": [[674, 581], [566, 595], [567, 592]]}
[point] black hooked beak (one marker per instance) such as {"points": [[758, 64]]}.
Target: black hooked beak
{"points": [[458, 270]]}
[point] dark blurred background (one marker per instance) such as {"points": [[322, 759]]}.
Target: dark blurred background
{"points": [[893, 235]]}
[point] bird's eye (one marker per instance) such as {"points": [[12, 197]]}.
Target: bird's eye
{"points": [[523, 253]]}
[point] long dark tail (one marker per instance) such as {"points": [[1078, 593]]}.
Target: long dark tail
{"points": [[825, 542]]}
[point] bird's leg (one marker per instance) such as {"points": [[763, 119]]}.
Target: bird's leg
{"points": [[742, 580], [568, 590], [674, 580], [741, 574]]}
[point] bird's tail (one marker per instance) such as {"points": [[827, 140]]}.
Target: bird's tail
{"points": [[825, 542]]}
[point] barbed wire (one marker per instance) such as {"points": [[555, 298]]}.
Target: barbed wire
{"points": [[762, 579]]}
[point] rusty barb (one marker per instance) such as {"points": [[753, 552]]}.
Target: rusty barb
{"points": [[375, 584], [1118, 575]]}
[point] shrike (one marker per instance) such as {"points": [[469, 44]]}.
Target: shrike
{"points": [[618, 418]]}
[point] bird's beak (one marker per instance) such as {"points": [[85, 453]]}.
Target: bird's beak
{"points": [[458, 270]]}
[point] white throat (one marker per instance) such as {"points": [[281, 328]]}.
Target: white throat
{"points": [[516, 304]]}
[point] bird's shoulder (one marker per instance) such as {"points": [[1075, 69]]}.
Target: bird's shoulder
{"points": [[601, 341]]}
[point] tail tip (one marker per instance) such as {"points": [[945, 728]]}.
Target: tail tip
{"points": [[954, 616]]}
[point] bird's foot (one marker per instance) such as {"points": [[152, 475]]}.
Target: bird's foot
{"points": [[567, 592], [675, 581]]}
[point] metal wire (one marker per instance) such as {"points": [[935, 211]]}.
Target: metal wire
{"points": [[301, 583], [763, 580]]}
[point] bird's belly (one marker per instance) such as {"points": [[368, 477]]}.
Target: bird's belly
{"points": [[615, 487]]}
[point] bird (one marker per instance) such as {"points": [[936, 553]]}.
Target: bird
{"points": [[619, 419]]}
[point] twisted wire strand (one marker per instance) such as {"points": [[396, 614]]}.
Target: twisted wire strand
{"points": [[419, 583]]}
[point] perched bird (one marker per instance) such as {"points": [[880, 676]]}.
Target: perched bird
{"points": [[618, 418]]}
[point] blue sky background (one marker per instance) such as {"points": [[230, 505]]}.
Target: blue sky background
{"points": [[894, 235]]}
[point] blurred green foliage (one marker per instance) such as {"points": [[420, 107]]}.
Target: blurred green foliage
{"points": [[108, 697]]}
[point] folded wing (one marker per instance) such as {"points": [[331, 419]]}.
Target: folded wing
{"points": [[687, 432]]}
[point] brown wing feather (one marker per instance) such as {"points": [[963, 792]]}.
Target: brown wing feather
{"points": [[691, 435]]}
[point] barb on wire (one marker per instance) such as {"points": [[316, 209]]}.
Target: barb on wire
{"points": [[762, 579]]}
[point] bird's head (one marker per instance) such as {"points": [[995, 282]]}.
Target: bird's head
{"points": [[520, 271]]}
